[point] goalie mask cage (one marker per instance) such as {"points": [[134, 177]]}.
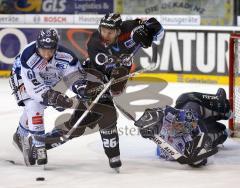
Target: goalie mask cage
{"points": [[234, 83]]}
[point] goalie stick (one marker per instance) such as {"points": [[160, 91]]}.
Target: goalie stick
{"points": [[182, 159]]}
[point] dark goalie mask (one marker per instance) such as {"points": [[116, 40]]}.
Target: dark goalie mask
{"points": [[181, 121]]}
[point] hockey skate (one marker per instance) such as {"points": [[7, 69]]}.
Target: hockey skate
{"points": [[221, 93], [28, 151], [41, 155], [32, 153], [17, 141], [23, 143], [115, 163]]}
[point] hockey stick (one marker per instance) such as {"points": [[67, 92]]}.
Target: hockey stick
{"points": [[171, 151], [103, 90], [54, 141], [87, 110]]}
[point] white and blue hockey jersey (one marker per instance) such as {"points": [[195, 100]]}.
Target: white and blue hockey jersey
{"points": [[39, 75], [176, 132]]}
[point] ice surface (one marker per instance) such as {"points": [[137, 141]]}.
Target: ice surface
{"points": [[82, 162]]}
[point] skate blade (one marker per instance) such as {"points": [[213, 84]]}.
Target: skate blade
{"points": [[117, 170]]}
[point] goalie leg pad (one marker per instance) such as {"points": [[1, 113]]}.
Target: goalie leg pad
{"points": [[216, 107]]}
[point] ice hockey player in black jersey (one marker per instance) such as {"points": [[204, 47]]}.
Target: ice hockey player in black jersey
{"points": [[40, 66], [193, 114], [109, 49]]}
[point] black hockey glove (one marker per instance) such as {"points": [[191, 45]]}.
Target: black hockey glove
{"points": [[86, 89], [150, 123], [196, 147], [56, 99], [142, 35]]}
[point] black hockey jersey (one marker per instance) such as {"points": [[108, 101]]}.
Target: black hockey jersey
{"points": [[124, 44]]}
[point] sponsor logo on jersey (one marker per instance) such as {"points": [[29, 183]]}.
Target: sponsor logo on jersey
{"points": [[129, 43], [64, 56], [33, 60], [38, 119], [61, 65], [42, 64]]}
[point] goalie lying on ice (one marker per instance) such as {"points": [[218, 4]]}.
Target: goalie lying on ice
{"points": [[194, 113]]}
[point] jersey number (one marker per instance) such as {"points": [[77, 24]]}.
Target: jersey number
{"points": [[110, 143]]}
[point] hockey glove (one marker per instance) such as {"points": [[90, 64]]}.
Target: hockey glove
{"points": [[142, 35], [150, 123], [56, 99], [86, 89], [200, 144]]}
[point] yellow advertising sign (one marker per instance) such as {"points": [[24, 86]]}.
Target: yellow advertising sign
{"points": [[29, 5]]}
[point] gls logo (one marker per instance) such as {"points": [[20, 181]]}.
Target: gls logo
{"points": [[41, 5]]}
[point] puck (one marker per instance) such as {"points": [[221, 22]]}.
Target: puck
{"points": [[11, 161], [40, 179]]}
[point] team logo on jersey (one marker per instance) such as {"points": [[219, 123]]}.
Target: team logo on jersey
{"points": [[61, 65]]}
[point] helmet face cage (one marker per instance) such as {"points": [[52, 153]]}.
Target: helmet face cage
{"points": [[187, 119], [47, 39], [111, 21], [183, 121]]}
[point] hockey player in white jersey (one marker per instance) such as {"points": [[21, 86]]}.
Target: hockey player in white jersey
{"points": [[194, 113], [40, 66]]}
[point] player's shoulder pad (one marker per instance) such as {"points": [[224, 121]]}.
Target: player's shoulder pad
{"points": [[129, 25], [66, 55], [28, 56]]}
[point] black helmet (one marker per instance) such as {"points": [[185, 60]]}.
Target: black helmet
{"points": [[47, 39], [111, 20]]}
